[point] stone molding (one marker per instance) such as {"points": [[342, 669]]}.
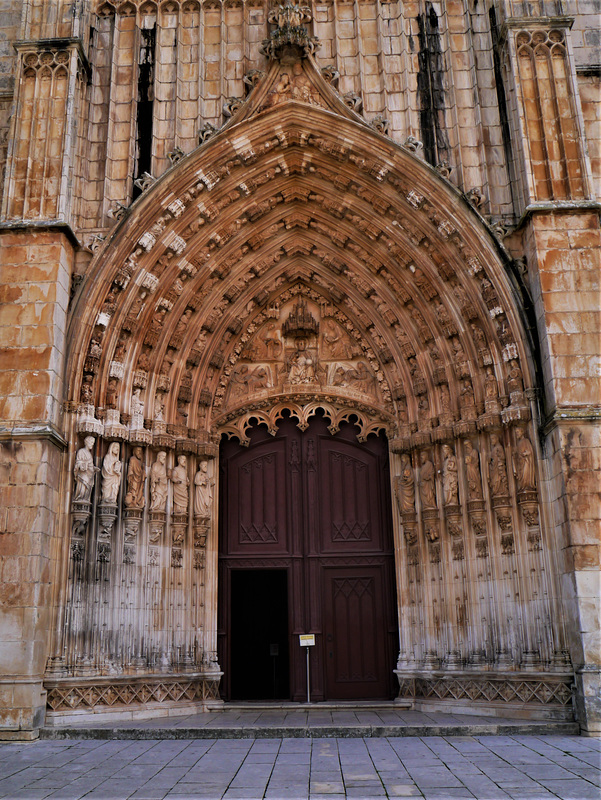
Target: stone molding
{"points": [[96, 693], [510, 688]]}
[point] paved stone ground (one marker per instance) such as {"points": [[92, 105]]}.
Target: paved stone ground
{"points": [[432, 767]]}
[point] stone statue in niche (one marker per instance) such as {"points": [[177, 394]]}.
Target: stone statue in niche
{"points": [[524, 463], [497, 468], [203, 491], [158, 483], [472, 468], [136, 477], [111, 475], [445, 399], [466, 394], [120, 351], [159, 408], [491, 389], [515, 382], [423, 409], [180, 481], [112, 393], [86, 394], [450, 484], [83, 471], [427, 487], [479, 337], [136, 409], [405, 486]]}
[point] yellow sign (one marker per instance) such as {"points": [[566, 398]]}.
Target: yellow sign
{"points": [[306, 639]]}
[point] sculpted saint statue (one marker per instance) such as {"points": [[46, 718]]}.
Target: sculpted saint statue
{"points": [[524, 463], [491, 390], [83, 471], [427, 489], [136, 477], [449, 477], [472, 467], [136, 408], [405, 487], [158, 483], [203, 492], [180, 481], [497, 468], [111, 474]]}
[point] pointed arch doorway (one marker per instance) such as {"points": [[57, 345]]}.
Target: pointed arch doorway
{"points": [[305, 546]]}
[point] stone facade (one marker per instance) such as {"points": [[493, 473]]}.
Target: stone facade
{"points": [[215, 212]]}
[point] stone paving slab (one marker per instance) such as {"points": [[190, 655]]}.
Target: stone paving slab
{"points": [[498, 767], [327, 722]]}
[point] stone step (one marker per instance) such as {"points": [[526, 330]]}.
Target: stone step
{"points": [[298, 721]]}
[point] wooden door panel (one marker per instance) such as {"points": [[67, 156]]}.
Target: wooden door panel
{"points": [[257, 501], [349, 498], [355, 625]]}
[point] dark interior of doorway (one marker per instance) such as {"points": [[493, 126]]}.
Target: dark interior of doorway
{"points": [[259, 625]]}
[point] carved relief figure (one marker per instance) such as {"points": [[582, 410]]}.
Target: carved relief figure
{"points": [[83, 471], [472, 468], [111, 474], [159, 408], [335, 342], [203, 491], [158, 483], [449, 477], [427, 488], [405, 487], [302, 369], [524, 463], [136, 477], [497, 468], [180, 481], [271, 342]]}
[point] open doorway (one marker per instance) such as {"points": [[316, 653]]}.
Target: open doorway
{"points": [[259, 642]]}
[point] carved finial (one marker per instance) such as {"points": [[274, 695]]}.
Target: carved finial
{"points": [[231, 105], [412, 144], [175, 155], [444, 169], [144, 181], [381, 124], [291, 31], [252, 78], [205, 133], [118, 211], [353, 101], [330, 74], [475, 196]]}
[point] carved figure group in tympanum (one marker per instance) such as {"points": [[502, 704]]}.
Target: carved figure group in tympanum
{"points": [[301, 347]]}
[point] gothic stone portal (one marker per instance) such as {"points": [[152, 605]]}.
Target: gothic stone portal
{"points": [[316, 506]]}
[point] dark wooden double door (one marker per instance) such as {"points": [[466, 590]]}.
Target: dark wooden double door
{"points": [[306, 547]]}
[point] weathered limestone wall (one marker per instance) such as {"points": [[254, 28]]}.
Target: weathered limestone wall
{"points": [[563, 251], [34, 276]]}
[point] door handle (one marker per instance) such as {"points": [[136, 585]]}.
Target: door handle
{"points": [[330, 638]]}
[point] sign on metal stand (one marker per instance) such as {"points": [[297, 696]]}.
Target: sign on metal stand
{"points": [[307, 640]]}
